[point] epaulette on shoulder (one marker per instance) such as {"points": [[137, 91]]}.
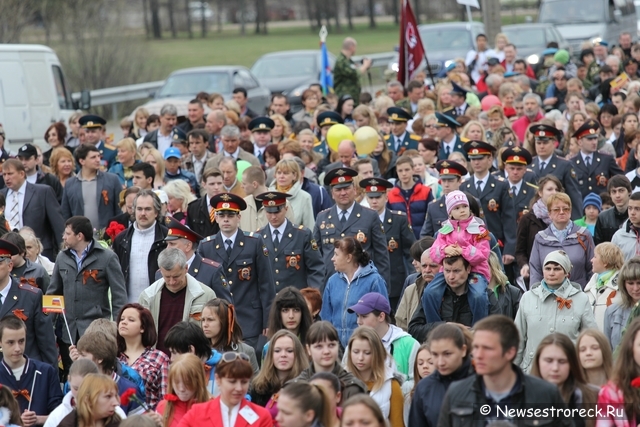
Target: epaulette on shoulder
{"points": [[401, 213], [414, 137], [531, 185], [300, 227], [326, 210], [250, 234], [208, 238], [447, 109], [27, 287], [500, 178], [386, 137], [110, 147], [211, 262]]}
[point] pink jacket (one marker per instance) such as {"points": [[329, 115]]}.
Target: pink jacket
{"points": [[611, 396], [471, 236]]}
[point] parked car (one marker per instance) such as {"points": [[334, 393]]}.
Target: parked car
{"points": [[302, 68], [531, 39], [182, 86], [444, 42]]}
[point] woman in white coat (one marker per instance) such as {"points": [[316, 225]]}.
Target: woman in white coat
{"points": [[288, 181], [603, 286]]}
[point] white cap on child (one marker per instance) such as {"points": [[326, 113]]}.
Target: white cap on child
{"points": [[454, 199]]}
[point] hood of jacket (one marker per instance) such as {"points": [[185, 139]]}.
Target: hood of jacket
{"points": [[367, 270], [566, 290], [550, 239]]}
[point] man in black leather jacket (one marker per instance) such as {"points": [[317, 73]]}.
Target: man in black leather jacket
{"points": [[610, 221]]}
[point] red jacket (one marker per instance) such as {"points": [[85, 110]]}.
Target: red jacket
{"points": [[415, 208], [208, 414]]}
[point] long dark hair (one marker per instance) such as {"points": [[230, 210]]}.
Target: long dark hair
{"points": [[289, 297], [351, 246], [230, 331], [149, 336], [341, 101], [626, 369]]}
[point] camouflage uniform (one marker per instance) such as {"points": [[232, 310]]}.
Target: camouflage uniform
{"points": [[592, 71], [346, 78]]}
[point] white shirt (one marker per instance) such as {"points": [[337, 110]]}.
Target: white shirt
{"points": [[5, 292], [348, 214], [232, 238], [518, 186], [190, 260], [32, 178], [482, 182], [141, 242], [451, 144], [235, 154], [587, 156], [460, 110], [9, 204], [381, 216], [280, 230], [164, 142], [198, 164], [229, 415], [397, 140]]}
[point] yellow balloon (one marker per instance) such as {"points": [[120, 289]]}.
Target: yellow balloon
{"points": [[337, 134], [366, 139]]}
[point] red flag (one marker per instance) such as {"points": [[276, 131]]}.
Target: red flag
{"points": [[411, 48]]}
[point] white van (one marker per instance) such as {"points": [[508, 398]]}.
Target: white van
{"points": [[33, 93], [589, 20]]}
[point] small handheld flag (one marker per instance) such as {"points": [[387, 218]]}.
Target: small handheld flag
{"points": [[326, 78], [55, 304]]}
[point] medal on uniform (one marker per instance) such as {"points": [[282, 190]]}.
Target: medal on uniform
{"points": [[392, 245], [314, 245], [602, 180], [245, 273], [493, 205], [322, 226], [360, 237], [293, 261]]}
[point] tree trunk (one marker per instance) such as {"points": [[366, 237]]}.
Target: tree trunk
{"points": [[265, 16], [394, 6], [318, 12], [145, 17], [203, 20], [416, 8], [309, 10], [243, 23], [172, 23], [349, 13], [155, 19], [188, 12], [219, 16], [491, 18], [372, 14], [336, 14]]}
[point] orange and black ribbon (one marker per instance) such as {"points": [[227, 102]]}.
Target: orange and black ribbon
{"points": [[23, 393], [105, 197], [562, 303], [90, 273], [30, 281]]}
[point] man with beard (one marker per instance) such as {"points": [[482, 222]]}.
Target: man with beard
{"points": [[532, 113]]}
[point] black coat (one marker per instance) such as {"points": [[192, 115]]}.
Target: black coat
{"points": [[608, 223], [198, 218], [594, 179], [399, 237], [51, 181], [528, 228], [563, 170], [122, 248]]}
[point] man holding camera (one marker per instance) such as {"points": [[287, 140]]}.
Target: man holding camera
{"points": [[346, 74]]}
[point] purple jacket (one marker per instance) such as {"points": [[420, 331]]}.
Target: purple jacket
{"points": [[578, 245]]}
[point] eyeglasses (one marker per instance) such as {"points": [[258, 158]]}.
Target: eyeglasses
{"points": [[561, 210], [232, 356]]}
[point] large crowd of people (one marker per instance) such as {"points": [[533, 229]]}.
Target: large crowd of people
{"points": [[239, 267]]}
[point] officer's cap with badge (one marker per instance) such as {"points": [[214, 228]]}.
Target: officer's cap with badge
{"points": [[273, 201], [516, 156], [398, 115], [329, 118], [457, 90], [340, 177], [178, 135], [478, 149], [91, 121], [7, 250], [449, 169], [180, 231], [261, 124], [545, 133], [588, 130], [27, 151], [375, 187], [228, 202], [445, 121]]}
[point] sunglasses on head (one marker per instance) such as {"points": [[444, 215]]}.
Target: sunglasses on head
{"points": [[232, 356]]}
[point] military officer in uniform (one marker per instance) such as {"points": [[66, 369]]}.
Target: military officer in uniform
{"points": [[398, 232], [592, 169], [451, 174], [260, 128], [204, 270], [25, 302], [95, 127], [458, 101], [547, 162], [494, 197], [449, 140], [349, 218], [245, 261], [325, 120], [400, 140], [515, 161], [293, 252]]}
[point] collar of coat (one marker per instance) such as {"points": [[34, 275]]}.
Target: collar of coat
{"points": [[576, 230], [566, 290]]}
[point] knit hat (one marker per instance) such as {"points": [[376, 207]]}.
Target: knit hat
{"points": [[561, 258], [592, 199], [454, 199], [561, 56]]}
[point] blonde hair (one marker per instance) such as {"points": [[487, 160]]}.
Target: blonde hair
{"points": [[495, 268], [610, 255], [558, 197], [286, 127], [381, 104], [267, 379], [129, 144], [233, 106], [465, 130], [140, 112], [179, 189], [289, 165], [188, 369], [368, 113], [426, 107], [106, 326], [378, 356], [159, 160], [58, 154], [93, 385]]}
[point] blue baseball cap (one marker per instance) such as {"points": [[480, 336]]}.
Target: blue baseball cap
{"points": [[172, 152], [370, 302]]}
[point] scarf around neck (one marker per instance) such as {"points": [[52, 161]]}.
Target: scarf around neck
{"points": [[540, 211]]}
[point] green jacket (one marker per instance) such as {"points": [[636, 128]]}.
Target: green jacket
{"points": [[346, 78]]}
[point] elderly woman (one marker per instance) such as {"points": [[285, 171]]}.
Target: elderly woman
{"points": [[603, 286], [127, 157], [63, 164], [179, 194], [288, 181], [616, 316], [554, 304], [34, 249], [563, 234]]}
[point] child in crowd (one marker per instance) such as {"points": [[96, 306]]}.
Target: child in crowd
{"points": [[461, 235], [79, 369], [592, 206], [423, 367], [9, 410]]}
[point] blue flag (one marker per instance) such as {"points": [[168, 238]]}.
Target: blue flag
{"points": [[326, 77]]}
